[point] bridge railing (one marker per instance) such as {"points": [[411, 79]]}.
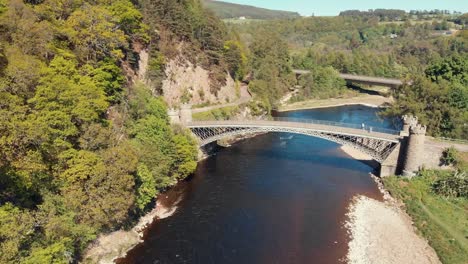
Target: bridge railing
{"points": [[337, 124]]}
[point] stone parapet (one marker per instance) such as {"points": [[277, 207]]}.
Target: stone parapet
{"points": [[173, 115], [186, 113]]}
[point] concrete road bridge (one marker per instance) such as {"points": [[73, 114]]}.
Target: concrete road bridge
{"points": [[361, 79]]}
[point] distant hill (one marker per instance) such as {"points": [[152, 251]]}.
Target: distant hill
{"points": [[228, 10]]}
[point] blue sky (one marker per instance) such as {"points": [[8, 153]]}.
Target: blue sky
{"points": [[333, 7]]}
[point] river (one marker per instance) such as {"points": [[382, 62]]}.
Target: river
{"points": [[274, 198]]}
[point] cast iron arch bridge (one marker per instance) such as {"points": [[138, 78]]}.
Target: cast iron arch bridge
{"points": [[375, 142]]}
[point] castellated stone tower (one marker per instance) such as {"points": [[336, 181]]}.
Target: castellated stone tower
{"points": [[415, 150], [408, 122], [186, 114], [173, 116]]}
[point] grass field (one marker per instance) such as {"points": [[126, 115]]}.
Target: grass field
{"points": [[442, 221], [217, 114]]}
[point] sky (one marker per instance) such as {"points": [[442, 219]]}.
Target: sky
{"points": [[333, 7]]}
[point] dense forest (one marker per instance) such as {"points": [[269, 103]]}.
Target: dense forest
{"points": [[86, 147]]}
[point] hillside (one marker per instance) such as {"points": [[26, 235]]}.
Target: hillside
{"points": [[228, 10]]}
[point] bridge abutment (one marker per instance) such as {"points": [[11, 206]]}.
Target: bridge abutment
{"points": [[181, 116], [174, 116], [186, 114], [390, 166]]}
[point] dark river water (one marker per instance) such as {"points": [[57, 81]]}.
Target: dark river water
{"points": [[274, 198]]}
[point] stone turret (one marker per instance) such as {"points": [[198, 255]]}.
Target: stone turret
{"points": [[173, 116], [408, 121], [186, 114], [415, 150]]}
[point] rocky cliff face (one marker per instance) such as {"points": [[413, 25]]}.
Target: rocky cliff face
{"points": [[186, 82]]}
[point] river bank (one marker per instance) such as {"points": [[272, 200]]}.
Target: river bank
{"points": [[382, 232], [367, 100], [109, 247]]}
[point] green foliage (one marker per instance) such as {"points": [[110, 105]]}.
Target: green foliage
{"points": [[86, 179], [186, 154], [73, 130], [156, 68], [146, 189], [452, 69], [452, 186], [129, 19], [439, 102], [166, 154], [382, 14], [21, 74], [16, 230], [59, 224], [230, 10], [54, 254], [450, 156], [224, 113], [235, 59], [440, 219], [3, 6], [271, 68], [93, 31], [62, 88], [323, 83], [109, 78]]}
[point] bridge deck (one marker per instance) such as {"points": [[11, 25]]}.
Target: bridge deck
{"points": [[363, 79], [371, 80], [351, 131]]}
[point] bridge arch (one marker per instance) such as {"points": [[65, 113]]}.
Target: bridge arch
{"points": [[376, 145]]}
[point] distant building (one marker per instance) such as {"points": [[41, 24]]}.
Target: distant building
{"points": [[242, 18]]}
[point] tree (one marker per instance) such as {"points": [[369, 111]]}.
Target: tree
{"points": [[21, 74], [322, 82], [186, 152], [129, 19], [146, 187], [87, 179], [93, 31], [109, 78], [451, 69], [235, 59], [54, 254], [16, 230], [63, 89]]}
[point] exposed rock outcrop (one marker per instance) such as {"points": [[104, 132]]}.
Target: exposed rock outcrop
{"points": [[186, 81]]}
